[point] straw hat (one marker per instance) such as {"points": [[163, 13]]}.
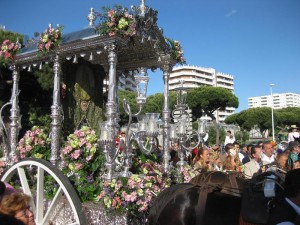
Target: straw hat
{"points": [[294, 127]]}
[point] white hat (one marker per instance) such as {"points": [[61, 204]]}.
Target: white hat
{"points": [[294, 127]]}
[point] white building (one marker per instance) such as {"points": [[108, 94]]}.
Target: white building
{"points": [[280, 101], [124, 83], [195, 76]]}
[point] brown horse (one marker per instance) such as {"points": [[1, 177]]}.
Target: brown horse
{"points": [[212, 198]]}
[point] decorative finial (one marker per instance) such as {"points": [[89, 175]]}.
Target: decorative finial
{"points": [[91, 17], [143, 7]]}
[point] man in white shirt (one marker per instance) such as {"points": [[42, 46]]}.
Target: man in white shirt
{"points": [[294, 134], [287, 211], [253, 167], [229, 138], [267, 156]]}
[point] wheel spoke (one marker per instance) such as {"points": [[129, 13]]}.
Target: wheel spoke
{"points": [[54, 202], [40, 195]]}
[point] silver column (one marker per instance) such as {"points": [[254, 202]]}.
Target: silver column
{"points": [[166, 117], [14, 117], [56, 113], [111, 113]]}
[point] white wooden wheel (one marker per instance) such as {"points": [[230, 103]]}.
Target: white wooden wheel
{"points": [[32, 175]]}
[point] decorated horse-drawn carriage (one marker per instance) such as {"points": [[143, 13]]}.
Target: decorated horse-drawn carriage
{"points": [[89, 179], [69, 180]]}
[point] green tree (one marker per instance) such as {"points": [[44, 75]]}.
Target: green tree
{"points": [[130, 97], [209, 99], [247, 119]]}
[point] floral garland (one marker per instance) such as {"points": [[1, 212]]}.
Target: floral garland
{"points": [[82, 162], [50, 39], [134, 194], [8, 50], [117, 21], [79, 150], [183, 174], [174, 48], [35, 143]]}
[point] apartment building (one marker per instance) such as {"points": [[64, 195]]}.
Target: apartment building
{"points": [[124, 83], [195, 76], [280, 101]]}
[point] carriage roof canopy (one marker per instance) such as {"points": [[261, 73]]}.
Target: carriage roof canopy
{"points": [[142, 50]]}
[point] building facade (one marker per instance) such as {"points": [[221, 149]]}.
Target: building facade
{"points": [[280, 101], [195, 76]]}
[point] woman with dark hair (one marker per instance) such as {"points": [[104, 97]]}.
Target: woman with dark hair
{"points": [[201, 161]]}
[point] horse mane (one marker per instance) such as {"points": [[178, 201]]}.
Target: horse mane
{"points": [[164, 198]]}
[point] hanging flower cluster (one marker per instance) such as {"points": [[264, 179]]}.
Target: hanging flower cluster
{"points": [[80, 151], [50, 39], [117, 21], [184, 174], [174, 48], [35, 143], [135, 193], [8, 50]]}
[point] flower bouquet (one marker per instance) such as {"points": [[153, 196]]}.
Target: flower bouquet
{"points": [[134, 194], [35, 143], [8, 50], [117, 21], [183, 174], [50, 39], [82, 162], [174, 48]]}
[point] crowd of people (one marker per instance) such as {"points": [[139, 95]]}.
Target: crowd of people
{"points": [[249, 159]]}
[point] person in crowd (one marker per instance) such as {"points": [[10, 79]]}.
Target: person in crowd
{"points": [[17, 205], [282, 160], [232, 161], [267, 156], [5, 189], [205, 139], [287, 210], [243, 152], [293, 148], [293, 134], [9, 220], [227, 149], [253, 167], [297, 164], [202, 160], [247, 158], [229, 138]]}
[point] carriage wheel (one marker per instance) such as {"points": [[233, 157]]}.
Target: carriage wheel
{"points": [[35, 178]]}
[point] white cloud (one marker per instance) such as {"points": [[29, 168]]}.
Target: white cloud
{"points": [[231, 13]]}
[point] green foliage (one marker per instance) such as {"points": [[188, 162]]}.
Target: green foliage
{"points": [[36, 119], [130, 97], [45, 77], [155, 103], [10, 36], [209, 99], [212, 135], [242, 136]]}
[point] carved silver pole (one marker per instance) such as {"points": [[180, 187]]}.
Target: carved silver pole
{"points": [[166, 117], [14, 117], [55, 113], [111, 112]]}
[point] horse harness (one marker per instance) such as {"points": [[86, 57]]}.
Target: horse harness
{"points": [[214, 181]]}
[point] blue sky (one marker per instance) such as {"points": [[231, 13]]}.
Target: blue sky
{"points": [[256, 41]]}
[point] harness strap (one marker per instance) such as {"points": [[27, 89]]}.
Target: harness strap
{"points": [[200, 210]]}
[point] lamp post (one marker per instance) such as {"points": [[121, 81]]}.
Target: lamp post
{"points": [[272, 109]]}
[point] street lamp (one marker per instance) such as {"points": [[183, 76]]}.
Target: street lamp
{"points": [[272, 109]]}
